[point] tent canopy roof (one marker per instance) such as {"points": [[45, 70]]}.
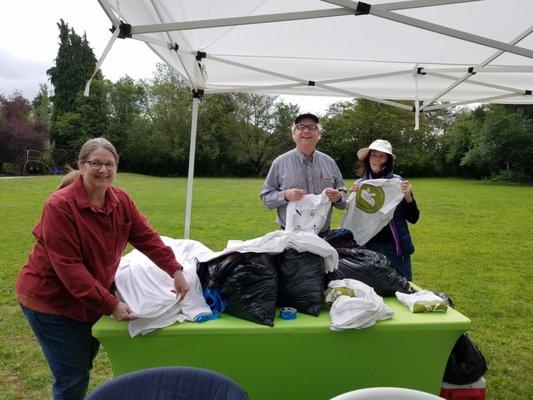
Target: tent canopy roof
{"points": [[424, 50]]}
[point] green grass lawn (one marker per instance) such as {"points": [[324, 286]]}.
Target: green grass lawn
{"points": [[474, 242]]}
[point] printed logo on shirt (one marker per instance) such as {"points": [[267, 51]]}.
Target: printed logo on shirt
{"points": [[370, 198]]}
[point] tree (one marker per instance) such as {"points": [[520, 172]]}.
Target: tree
{"points": [[527, 109], [155, 140], [502, 142], [489, 141], [284, 115], [442, 119], [68, 131], [253, 140], [43, 113], [349, 126], [15, 107], [457, 141], [42, 106], [217, 126], [128, 102], [17, 132], [74, 64], [93, 110]]}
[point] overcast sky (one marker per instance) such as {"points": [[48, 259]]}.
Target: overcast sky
{"points": [[29, 43]]}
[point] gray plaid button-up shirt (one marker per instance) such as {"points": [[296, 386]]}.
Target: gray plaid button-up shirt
{"points": [[313, 174]]}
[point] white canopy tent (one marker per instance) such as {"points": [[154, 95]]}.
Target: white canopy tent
{"points": [[452, 52]]}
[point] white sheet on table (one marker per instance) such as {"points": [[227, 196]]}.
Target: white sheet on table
{"points": [[147, 289]]}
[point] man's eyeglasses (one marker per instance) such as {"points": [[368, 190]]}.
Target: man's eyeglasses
{"points": [[311, 128], [97, 165]]}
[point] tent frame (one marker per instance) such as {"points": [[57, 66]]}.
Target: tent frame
{"points": [[345, 7]]}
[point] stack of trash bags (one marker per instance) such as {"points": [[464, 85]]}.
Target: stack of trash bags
{"points": [[249, 279], [250, 285]]}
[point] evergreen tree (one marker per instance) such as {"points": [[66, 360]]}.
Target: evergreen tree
{"points": [[43, 106], [74, 64]]}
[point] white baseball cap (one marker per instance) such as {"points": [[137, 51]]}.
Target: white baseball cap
{"points": [[379, 145]]}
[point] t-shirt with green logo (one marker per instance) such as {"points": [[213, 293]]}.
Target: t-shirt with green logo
{"points": [[371, 207]]}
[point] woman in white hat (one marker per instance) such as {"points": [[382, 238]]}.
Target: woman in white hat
{"points": [[394, 240]]}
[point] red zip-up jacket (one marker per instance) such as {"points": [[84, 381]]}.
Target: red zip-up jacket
{"points": [[73, 264]]}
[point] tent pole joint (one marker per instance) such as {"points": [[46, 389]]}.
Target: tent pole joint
{"points": [[471, 70], [311, 83], [420, 71], [124, 29], [200, 55], [420, 102], [175, 47], [527, 93], [198, 94], [362, 8]]}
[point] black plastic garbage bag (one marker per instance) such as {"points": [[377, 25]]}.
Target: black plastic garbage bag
{"points": [[247, 283], [340, 238], [371, 268], [301, 281], [466, 363], [215, 272]]}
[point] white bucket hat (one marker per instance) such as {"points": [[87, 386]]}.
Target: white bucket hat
{"points": [[379, 145]]}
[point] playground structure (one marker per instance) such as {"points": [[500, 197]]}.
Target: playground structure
{"points": [[34, 162]]}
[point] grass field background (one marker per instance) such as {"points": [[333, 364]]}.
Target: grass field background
{"points": [[474, 241]]}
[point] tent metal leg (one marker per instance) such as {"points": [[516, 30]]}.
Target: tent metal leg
{"points": [[190, 176]]}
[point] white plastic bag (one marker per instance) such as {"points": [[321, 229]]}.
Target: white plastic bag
{"points": [[361, 310], [422, 301]]}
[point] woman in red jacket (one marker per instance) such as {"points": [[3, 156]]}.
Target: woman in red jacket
{"points": [[65, 285]]}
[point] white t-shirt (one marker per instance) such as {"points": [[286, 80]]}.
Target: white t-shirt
{"points": [[371, 208], [308, 214], [147, 289]]}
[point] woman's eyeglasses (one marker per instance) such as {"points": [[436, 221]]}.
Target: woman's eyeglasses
{"points": [[97, 165]]}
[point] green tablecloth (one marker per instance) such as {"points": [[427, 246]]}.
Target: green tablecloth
{"points": [[297, 359]]}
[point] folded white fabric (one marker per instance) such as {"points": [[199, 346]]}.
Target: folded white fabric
{"points": [[308, 214], [371, 208], [361, 310], [422, 301], [147, 289], [277, 242]]}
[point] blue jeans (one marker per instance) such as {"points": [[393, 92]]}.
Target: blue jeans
{"points": [[402, 263], [69, 349]]}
